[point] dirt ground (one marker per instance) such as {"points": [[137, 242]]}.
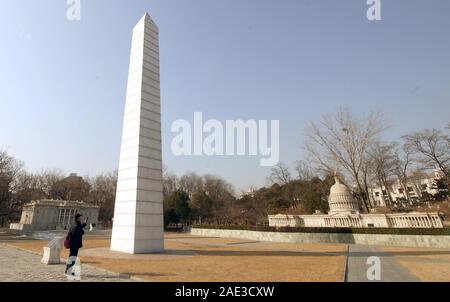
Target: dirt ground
{"points": [[431, 265], [217, 259]]}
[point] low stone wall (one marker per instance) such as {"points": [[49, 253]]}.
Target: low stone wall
{"points": [[425, 241]]}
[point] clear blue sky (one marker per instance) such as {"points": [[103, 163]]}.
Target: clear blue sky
{"points": [[63, 84]]}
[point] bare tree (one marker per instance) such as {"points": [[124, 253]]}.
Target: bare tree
{"points": [[103, 188], [48, 178], [26, 188], [415, 182], [10, 168], [279, 174], [190, 183], [341, 143], [304, 170], [221, 193], [432, 147], [217, 188], [383, 158], [170, 182], [402, 162], [103, 193]]}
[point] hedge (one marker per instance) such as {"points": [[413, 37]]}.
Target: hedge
{"points": [[387, 231]]}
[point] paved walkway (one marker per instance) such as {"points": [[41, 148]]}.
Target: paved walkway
{"points": [[391, 270], [18, 265]]}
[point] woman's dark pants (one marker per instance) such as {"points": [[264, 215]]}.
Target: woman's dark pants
{"points": [[73, 253]]}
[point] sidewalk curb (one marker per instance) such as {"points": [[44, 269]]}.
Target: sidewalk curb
{"points": [[344, 277]]}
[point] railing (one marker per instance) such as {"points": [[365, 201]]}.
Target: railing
{"points": [[410, 220], [415, 221]]}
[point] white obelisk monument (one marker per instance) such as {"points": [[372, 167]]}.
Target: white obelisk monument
{"points": [[138, 214]]}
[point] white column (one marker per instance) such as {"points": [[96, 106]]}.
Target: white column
{"points": [[138, 215], [429, 222], [439, 224], [65, 217]]}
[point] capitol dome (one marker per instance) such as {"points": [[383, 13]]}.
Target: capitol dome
{"points": [[341, 199]]}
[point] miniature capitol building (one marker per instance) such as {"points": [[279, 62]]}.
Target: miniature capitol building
{"points": [[344, 212], [44, 215]]}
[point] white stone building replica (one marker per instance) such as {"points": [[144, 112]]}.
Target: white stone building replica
{"points": [[138, 225], [54, 215], [344, 212]]}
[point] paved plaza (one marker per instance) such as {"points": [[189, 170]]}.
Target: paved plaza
{"points": [[194, 258]]}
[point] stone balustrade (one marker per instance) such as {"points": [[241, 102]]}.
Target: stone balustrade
{"points": [[415, 220], [403, 220], [285, 220], [343, 222]]}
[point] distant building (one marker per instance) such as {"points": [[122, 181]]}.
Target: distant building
{"points": [[249, 193], [415, 188], [54, 215]]}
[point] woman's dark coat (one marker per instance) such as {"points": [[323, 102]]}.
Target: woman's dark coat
{"points": [[76, 235]]}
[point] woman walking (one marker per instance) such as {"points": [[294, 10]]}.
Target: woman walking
{"points": [[76, 240]]}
